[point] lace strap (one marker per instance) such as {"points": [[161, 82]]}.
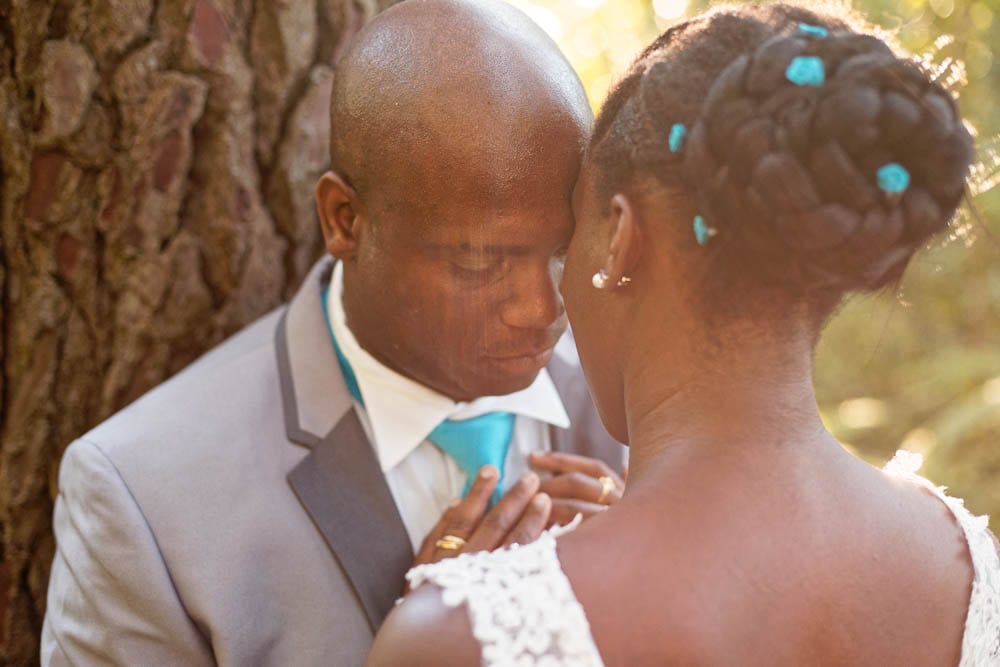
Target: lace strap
{"points": [[981, 640], [521, 605]]}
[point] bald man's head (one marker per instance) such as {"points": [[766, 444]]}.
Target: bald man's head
{"points": [[457, 133], [448, 78]]}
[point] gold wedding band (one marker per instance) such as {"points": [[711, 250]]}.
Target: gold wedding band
{"points": [[607, 486], [450, 542]]}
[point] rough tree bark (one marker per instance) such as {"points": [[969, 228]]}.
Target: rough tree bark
{"points": [[157, 160]]}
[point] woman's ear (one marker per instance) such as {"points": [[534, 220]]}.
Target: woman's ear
{"points": [[626, 242], [338, 207]]}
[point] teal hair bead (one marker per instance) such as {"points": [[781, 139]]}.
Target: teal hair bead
{"points": [[677, 134], [702, 232], [814, 30], [893, 178], [806, 71]]}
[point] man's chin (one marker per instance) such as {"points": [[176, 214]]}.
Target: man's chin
{"points": [[505, 375]]}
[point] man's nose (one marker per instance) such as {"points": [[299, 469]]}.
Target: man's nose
{"points": [[534, 301]]}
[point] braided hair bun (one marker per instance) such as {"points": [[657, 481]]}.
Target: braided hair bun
{"points": [[817, 159], [790, 169]]}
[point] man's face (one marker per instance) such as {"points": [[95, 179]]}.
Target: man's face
{"points": [[455, 280]]}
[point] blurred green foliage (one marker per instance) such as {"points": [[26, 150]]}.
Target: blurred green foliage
{"points": [[918, 368]]}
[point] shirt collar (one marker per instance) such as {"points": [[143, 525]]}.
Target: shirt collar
{"points": [[402, 412]]}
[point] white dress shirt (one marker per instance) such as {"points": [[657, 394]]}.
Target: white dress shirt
{"points": [[400, 413]]}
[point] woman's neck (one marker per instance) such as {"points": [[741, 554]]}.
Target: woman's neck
{"points": [[752, 403]]}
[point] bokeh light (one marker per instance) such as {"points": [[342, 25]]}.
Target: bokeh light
{"points": [[670, 9]]}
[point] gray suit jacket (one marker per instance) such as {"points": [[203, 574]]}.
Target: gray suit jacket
{"points": [[237, 515]]}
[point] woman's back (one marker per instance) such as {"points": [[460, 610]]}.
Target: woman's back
{"points": [[834, 564]]}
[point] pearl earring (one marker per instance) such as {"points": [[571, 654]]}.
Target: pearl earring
{"points": [[600, 279]]}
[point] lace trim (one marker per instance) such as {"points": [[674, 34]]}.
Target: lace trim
{"points": [[522, 607], [981, 639]]}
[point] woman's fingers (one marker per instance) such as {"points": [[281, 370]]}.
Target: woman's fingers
{"points": [[583, 487], [532, 522], [498, 522], [560, 463], [460, 521], [468, 525], [465, 517]]}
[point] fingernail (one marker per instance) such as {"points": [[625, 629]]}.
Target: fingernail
{"points": [[530, 480], [487, 472], [540, 500], [455, 503]]}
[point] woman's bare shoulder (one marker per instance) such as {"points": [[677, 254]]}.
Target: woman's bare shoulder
{"points": [[423, 632]]}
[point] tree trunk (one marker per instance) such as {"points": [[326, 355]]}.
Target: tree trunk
{"points": [[157, 162]]}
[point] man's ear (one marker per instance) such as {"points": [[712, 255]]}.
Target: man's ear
{"points": [[338, 207], [626, 242]]}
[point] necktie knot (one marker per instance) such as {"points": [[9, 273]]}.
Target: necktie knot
{"points": [[474, 443]]}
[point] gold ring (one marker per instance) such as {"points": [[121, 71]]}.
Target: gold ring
{"points": [[450, 542], [607, 486]]}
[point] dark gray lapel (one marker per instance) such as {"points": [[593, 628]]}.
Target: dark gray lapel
{"points": [[339, 483], [342, 488]]}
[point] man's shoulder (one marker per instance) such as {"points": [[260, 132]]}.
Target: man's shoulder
{"points": [[228, 384], [256, 337], [197, 470], [209, 439]]}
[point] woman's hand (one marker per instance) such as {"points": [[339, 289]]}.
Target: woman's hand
{"points": [[577, 485], [469, 526]]}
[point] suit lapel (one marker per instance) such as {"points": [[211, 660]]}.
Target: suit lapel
{"points": [[342, 488], [339, 483]]}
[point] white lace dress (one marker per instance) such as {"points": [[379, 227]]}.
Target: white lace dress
{"points": [[524, 613]]}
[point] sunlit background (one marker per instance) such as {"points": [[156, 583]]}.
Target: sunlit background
{"points": [[918, 368]]}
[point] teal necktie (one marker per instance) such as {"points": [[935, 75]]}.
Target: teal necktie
{"points": [[472, 443]]}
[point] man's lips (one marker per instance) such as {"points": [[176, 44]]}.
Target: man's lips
{"points": [[528, 352], [526, 359]]}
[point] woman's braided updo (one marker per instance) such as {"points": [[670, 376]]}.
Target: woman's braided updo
{"points": [[786, 175]]}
